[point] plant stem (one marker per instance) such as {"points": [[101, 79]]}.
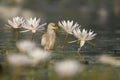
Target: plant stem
{"points": [[32, 36], [78, 52], [64, 43], [16, 73], [17, 34]]}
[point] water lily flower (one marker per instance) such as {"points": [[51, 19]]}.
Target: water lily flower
{"points": [[68, 26], [83, 36], [33, 24], [16, 22], [68, 68]]}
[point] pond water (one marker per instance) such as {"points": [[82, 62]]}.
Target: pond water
{"points": [[101, 19], [101, 16]]}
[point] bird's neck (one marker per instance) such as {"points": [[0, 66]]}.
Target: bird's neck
{"points": [[49, 30]]}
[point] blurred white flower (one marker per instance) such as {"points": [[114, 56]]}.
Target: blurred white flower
{"points": [[26, 46], [83, 35], [109, 60], [68, 68], [38, 55], [33, 25], [102, 13], [33, 55], [17, 59], [68, 26], [16, 22]]}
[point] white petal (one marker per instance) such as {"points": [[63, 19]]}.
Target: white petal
{"points": [[71, 23], [10, 22], [24, 31], [72, 41], [60, 24], [75, 25], [41, 26], [82, 42]]}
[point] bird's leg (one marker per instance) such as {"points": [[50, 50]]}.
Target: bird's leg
{"points": [[32, 36], [78, 52], [64, 43]]}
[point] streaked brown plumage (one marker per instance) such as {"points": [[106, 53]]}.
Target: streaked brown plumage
{"points": [[48, 39]]}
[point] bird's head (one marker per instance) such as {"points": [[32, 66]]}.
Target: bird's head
{"points": [[52, 26]]}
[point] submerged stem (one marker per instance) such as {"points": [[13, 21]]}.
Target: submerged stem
{"points": [[32, 36], [64, 43]]}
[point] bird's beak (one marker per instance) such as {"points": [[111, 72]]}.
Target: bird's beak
{"points": [[55, 27]]}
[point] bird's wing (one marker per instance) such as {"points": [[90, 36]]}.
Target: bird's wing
{"points": [[43, 39]]}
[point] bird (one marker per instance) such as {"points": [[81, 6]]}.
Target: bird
{"points": [[49, 37]]}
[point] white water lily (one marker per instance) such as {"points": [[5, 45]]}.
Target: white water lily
{"points": [[16, 22], [68, 26], [33, 24], [83, 35], [68, 68]]}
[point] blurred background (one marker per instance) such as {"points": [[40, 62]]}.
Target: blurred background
{"points": [[102, 16]]}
